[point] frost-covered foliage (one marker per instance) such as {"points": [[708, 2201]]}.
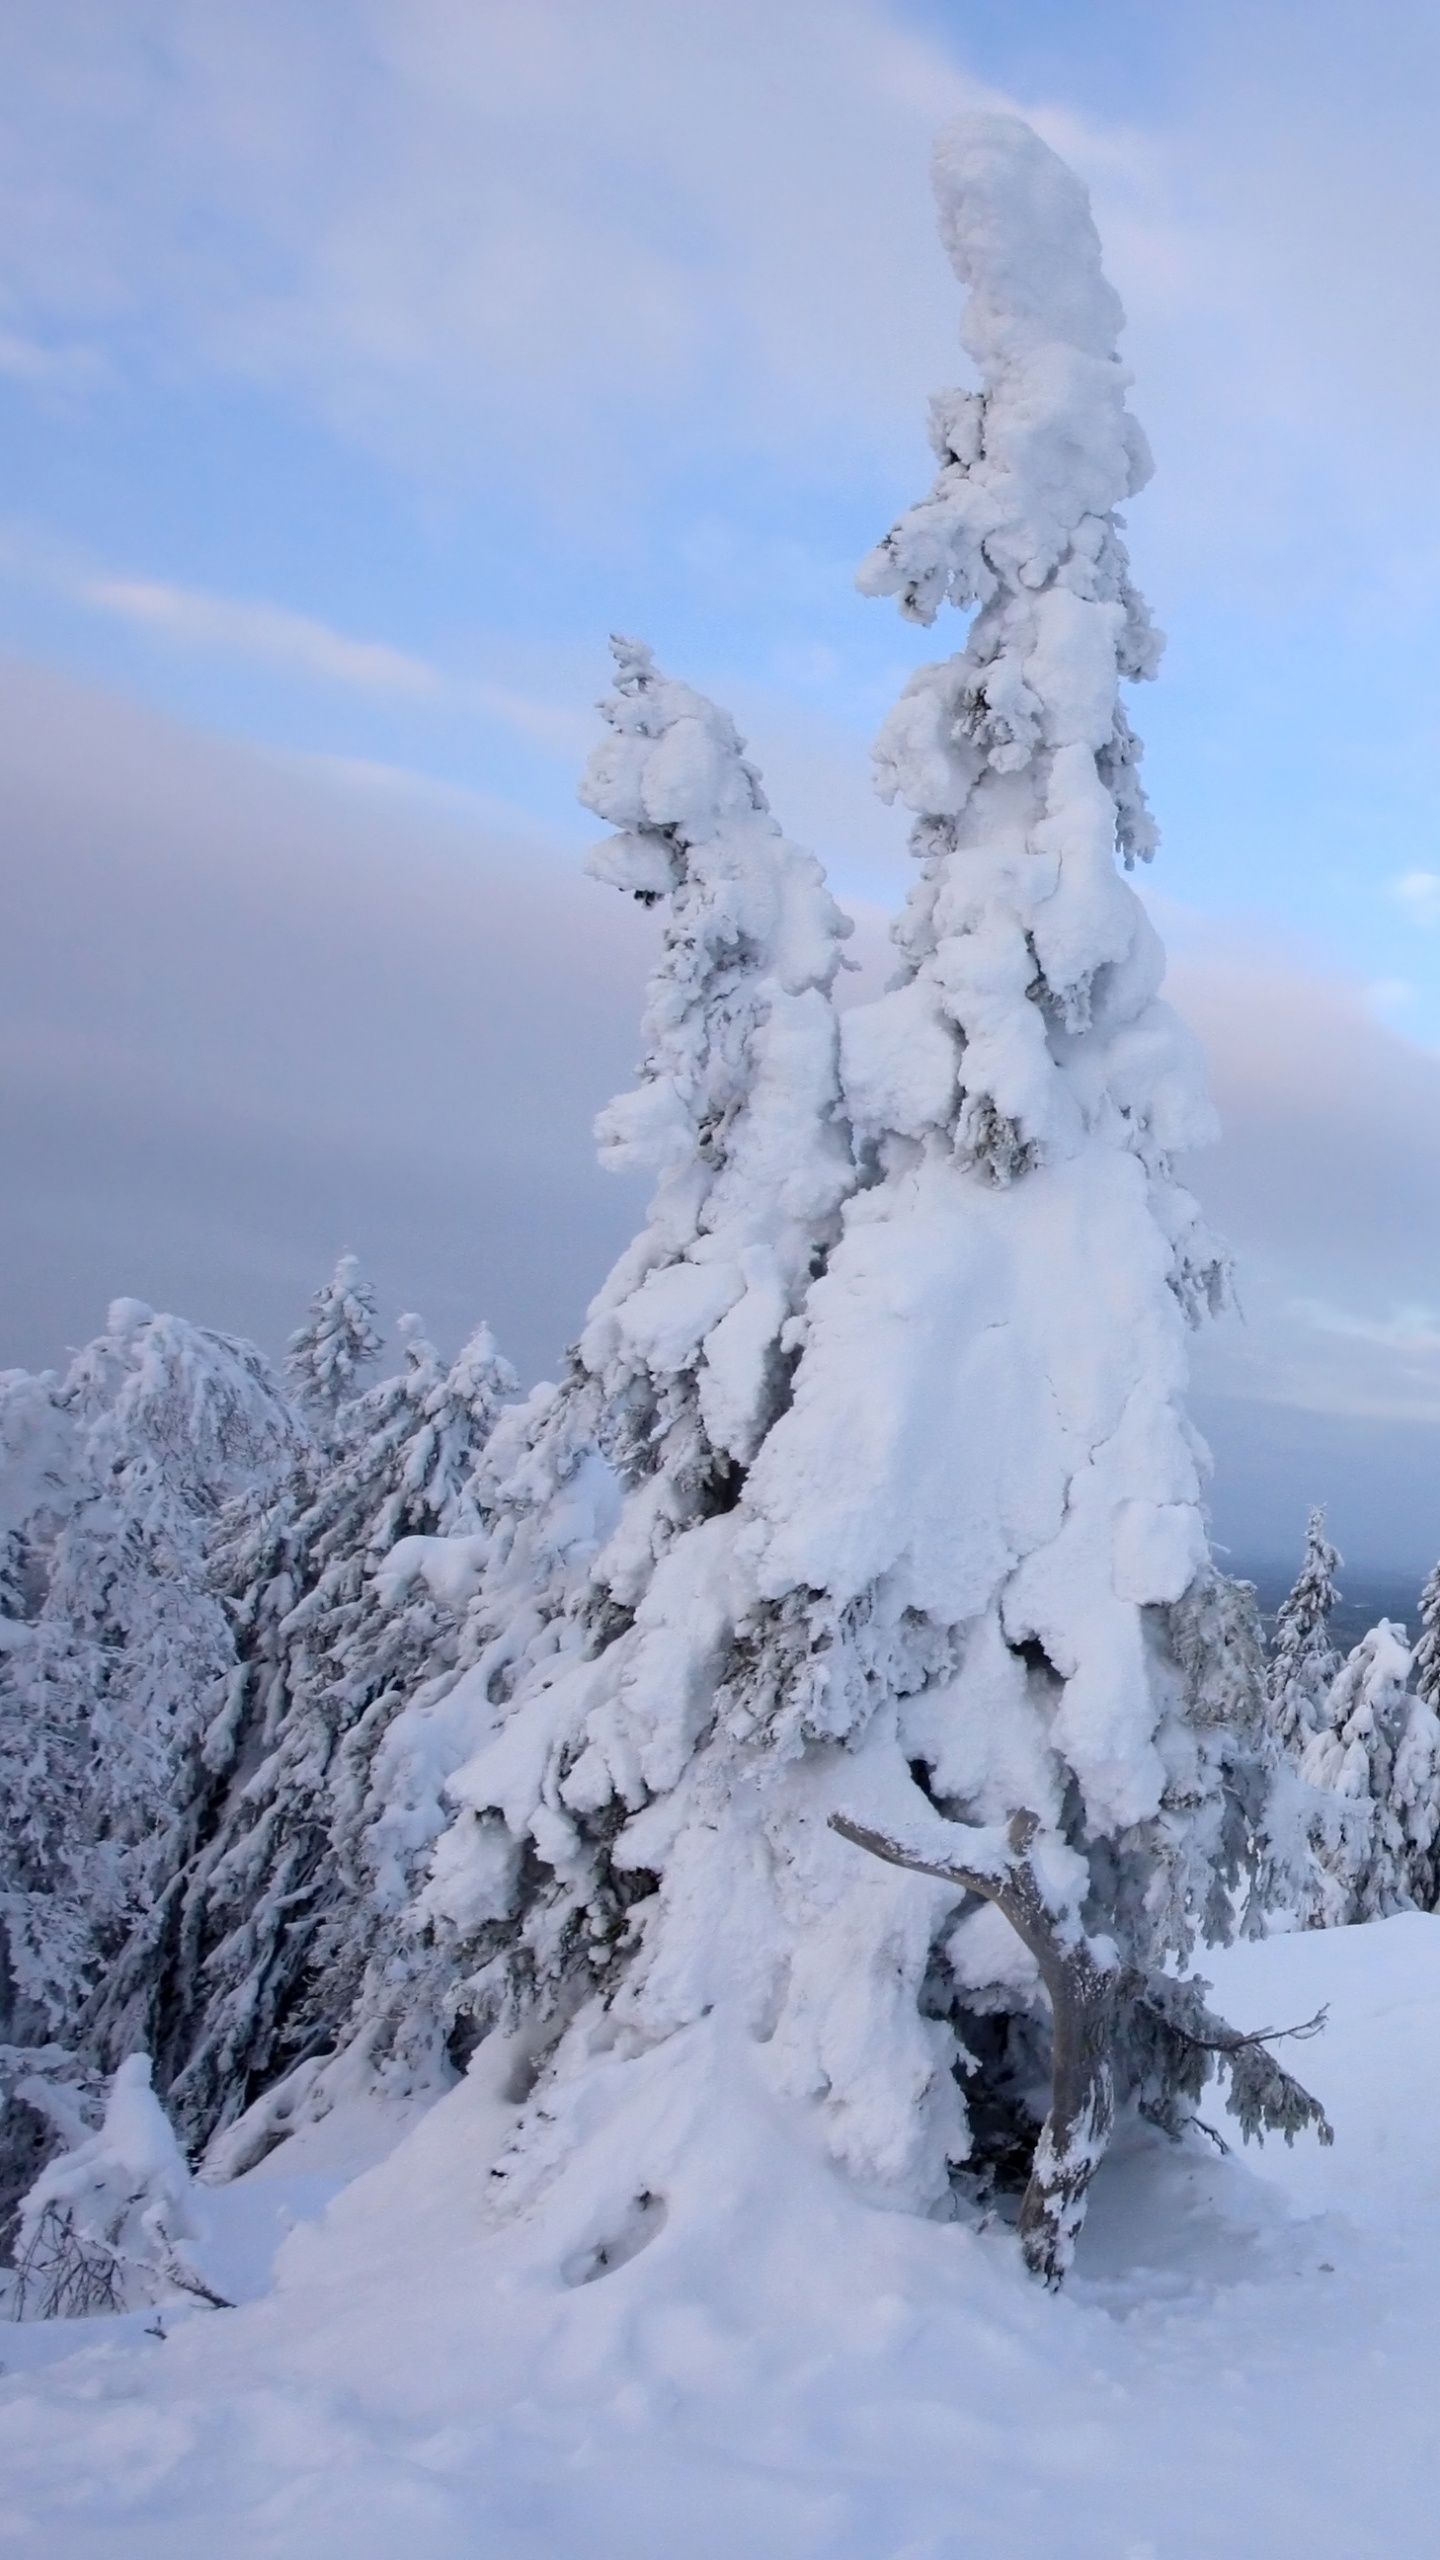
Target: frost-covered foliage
{"points": [[109, 2224], [117, 1638], [328, 1354], [1427, 1651], [1303, 1661], [957, 1559], [1372, 1770], [978, 1543], [37, 1461], [596, 1631], [250, 1960]]}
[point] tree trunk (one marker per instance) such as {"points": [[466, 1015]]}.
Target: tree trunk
{"points": [[1083, 1997]]}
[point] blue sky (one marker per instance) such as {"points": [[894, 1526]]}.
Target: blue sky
{"points": [[363, 363]]}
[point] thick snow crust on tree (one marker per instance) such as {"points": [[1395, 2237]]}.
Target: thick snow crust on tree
{"points": [[873, 1470], [600, 1610], [709, 2343]]}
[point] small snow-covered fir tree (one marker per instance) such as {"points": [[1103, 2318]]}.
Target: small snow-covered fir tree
{"points": [[958, 1595], [255, 1956], [327, 1356], [1303, 1660], [1288, 1883], [1372, 1765]]}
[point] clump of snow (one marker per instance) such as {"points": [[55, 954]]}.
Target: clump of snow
{"points": [[111, 2223]]}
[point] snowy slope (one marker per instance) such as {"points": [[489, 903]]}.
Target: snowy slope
{"points": [[1247, 2359]]}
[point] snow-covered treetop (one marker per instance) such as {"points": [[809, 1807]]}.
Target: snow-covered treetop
{"points": [[339, 1338], [737, 1108], [1303, 1661], [1047, 443], [449, 1413], [204, 1409], [1016, 754]]}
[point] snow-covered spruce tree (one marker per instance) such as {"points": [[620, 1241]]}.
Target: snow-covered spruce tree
{"points": [[255, 1959], [1427, 1651], [964, 1600], [326, 1356], [1289, 1885], [1371, 1768], [112, 1640], [261, 1565], [610, 1499], [101, 1700], [1303, 1660]]}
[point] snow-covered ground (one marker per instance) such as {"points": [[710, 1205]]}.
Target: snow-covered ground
{"points": [[1246, 2361]]}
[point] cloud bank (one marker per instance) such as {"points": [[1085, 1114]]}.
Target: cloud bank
{"points": [[256, 1014]]}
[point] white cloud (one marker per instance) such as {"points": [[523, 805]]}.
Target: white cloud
{"points": [[1326, 1182], [298, 643], [248, 1019], [490, 216], [62, 370], [584, 241], [1418, 892], [259, 630]]}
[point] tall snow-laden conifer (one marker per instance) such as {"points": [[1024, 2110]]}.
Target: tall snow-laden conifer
{"points": [[1002, 1503], [603, 1615], [255, 1956], [963, 1601]]}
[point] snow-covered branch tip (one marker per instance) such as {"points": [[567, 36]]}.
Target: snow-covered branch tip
{"points": [[1230, 2039]]}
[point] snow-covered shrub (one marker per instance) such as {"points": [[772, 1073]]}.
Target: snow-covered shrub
{"points": [[110, 2224]]}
